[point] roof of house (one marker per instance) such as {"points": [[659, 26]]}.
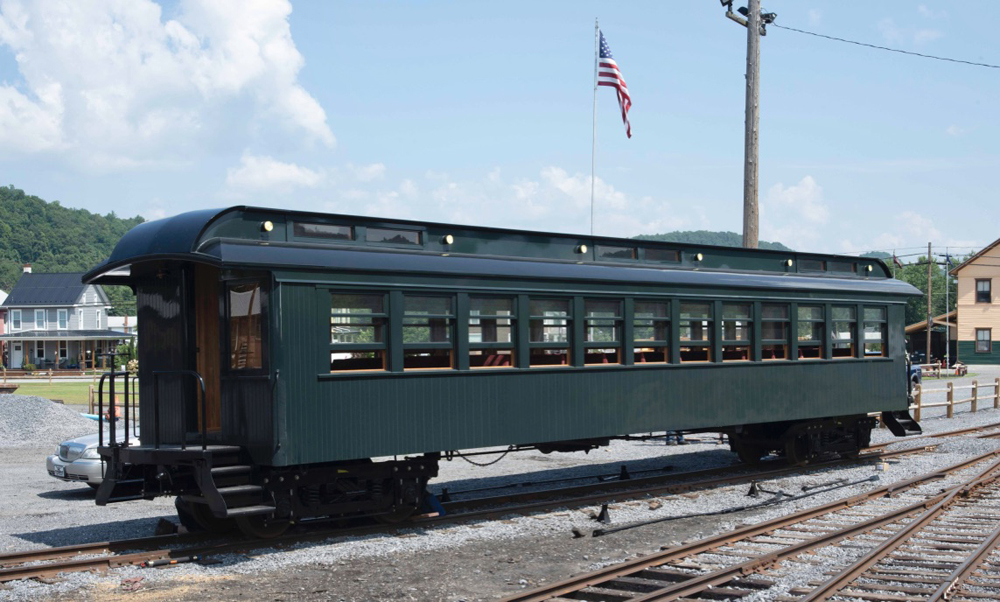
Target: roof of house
{"points": [[992, 245], [947, 319], [3, 297], [46, 289]]}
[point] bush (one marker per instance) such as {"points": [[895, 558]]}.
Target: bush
{"points": [[29, 367]]}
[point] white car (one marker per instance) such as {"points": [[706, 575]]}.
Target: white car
{"points": [[77, 460]]}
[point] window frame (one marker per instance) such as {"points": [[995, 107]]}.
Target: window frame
{"points": [[15, 320], [62, 319], [989, 339], [567, 345], [617, 324], [884, 330], [730, 344], [709, 326], [510, 346], [818, 343], [42, 313], [988, 291], [63, 349], [786, 342], [663, 345], [451, 325], [383, 346], [851, 341], [226, 365]]}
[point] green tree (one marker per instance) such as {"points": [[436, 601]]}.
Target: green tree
{"points": [[916, 274]]}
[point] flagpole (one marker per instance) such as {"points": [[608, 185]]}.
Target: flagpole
{"points": [[947, 324], [593, 143]]}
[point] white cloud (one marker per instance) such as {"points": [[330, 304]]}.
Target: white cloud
{"points": [[815, 17], [794, 215], [954, 130], [258, 173], [894, 34], [367, 173], [931, 14], [113, 84]]}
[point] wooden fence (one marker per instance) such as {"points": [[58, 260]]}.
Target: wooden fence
{"points": [[991, 393]]}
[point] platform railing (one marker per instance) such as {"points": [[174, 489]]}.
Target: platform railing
{"points": [[978, 392], [112, 415], [184, 421]]}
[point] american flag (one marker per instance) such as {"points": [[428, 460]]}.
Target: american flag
{"points": [[609, 75]]}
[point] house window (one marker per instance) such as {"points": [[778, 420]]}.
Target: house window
{"points": [[810, 332], [15, 319], [357, 332], [737, 321], [39, 319], [984, 340], [63, 350], [549, 332], [844, 326], [983, 293], [651, 332], [696, 332], [40, 350], [63, 319], [491, 332], [245, 326], [427, 332], [603, 331], [774, 331], [875, 332]]}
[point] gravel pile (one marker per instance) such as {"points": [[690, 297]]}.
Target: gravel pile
{"points": [[28, 421]]}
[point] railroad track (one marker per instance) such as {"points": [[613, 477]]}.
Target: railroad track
{"points": [[893, 543], [49, 562]]}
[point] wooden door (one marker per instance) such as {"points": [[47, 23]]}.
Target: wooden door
{"points": [[206, 311]]}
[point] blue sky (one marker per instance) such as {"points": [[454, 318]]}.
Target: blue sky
{"points": [[481, 113]]}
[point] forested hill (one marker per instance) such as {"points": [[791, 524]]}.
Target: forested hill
{"points": [[53, 238], [704, 237]]}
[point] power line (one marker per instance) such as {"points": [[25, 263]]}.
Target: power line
{"points": [[925, 56]]}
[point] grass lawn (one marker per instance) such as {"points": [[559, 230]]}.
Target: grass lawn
{"points": [[74, 393]]}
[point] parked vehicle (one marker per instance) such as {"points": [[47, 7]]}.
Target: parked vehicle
{"points": [[282, 352], [78, 461]]}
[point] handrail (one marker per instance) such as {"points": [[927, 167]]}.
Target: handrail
{"points": [[112, 410], [156, 408]]}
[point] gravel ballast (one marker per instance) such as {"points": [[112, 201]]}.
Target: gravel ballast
{"points": [[477, 561], [35, 421]]}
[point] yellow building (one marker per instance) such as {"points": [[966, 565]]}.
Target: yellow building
{"points": [[979, 307]]}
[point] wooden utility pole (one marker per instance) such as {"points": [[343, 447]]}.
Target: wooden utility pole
{"points": [[750, 213], [928, 303]]}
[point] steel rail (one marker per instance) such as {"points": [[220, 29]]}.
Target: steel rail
{"points": [[11, 559], [633, 566], [962, 572]]}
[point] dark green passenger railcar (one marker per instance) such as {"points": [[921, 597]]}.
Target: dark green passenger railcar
{"points": [[323, 341]]}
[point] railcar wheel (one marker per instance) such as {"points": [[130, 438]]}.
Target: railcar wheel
{"points": [[797, 450], [199, 517], [261, 527], [395, 516], [750, 454]]}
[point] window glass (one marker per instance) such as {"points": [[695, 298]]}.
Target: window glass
{"points": [[812, 265], [983, 342], [549, 332], [771, 311], [774, 331], [663, 255], [844, 267], [245, 326], [696, 332], [357, 331], [651, 332], [427, 332], [392, 236], [608, 252], [844, 327], [602, 331], [15, 319], [983, 292], [324, 231], [491, 332], [876, 342], [810, 332], [63, 319], [736, 331], [40, 319]]}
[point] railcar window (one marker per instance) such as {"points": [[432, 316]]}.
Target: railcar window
{"points": [[549, 328], [491, 332], [876, 343], [810, 333], [844, 328], [324, 231], [774, 331], [841, 267], [696, 332], [737, 324], [609, 252], [428, 323], [651, 332], [357, 332], [668, 255], [245, 333], [391, 236], [812, 265], [603, 330]]}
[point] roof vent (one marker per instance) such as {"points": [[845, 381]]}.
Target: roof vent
{"points": [[27, 268]]}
